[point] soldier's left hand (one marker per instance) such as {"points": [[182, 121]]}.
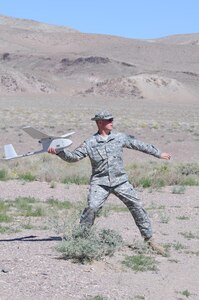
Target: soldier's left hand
{"points": [[165, 155]]}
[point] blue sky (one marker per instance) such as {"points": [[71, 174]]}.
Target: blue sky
{"points": [[128, 18]]}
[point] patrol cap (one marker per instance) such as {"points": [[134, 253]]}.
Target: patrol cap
{"points": [[103, 115]]}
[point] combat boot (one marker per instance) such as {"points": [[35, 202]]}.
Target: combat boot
{"points": [[155, 246]]}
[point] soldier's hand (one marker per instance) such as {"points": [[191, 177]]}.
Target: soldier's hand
{"points": [[52, 150], [165, 155]]}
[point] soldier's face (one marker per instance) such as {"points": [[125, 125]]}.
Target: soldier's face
{"points": [[106, 125]]}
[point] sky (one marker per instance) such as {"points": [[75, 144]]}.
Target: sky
{"points": [[140, 19]]}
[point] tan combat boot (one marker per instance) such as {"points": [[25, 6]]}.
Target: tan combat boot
{"points": [[155, 246]]}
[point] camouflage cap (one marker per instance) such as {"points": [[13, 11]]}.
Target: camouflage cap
{"points": [[103, 115]]}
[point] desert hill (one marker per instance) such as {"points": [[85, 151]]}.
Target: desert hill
{"points": [[39, 58]]}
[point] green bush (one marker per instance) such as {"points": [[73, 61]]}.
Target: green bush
{"points": [[4, 218], [85, 245], [59, 204], [190, 181], [27, 176], [29, 207], [4, 206], [145, 182], [140, 263], [3, 174], [96, 298], [189, 169], [156, 174], [179, 189], [4, 229], [76, 179]]}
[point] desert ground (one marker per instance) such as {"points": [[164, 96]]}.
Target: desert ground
{"points": [[55, 79], [32, 268]]}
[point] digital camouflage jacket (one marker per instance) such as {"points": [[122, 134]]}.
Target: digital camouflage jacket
{"points": [[106, 156]]}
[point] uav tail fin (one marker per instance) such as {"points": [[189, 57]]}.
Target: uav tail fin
{"points": [[9, 151]]}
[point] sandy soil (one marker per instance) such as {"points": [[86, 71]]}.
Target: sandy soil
{"points": [[30, 267]]}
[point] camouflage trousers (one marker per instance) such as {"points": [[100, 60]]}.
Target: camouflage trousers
{"points": [[126, 193]]}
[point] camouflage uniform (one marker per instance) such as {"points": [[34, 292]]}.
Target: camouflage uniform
{"points": [[108, 175]]}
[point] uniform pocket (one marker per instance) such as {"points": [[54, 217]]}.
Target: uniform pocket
{"points": [[98, 153]]}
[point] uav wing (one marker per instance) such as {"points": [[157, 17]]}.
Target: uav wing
{"points": [[45, 140], [36, 134]]}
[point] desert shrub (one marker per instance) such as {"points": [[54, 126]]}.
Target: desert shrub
{"points": [[189, 169], [186, 293], [52, 185], [59, 204], [6, 55], [4, 218], [4, 207], [189, 235], [27, 176], [145, 182], [155, 174], [85, 245], [140, 263], [178, 246], [3, 174], [76, 179], [190, 181], [21, 201], [164, 218], [178, 189], [182, 218], [4, 229], [98, 297], [29, 207]]}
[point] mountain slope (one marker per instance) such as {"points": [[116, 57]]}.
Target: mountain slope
{"points": [[37, 58]]}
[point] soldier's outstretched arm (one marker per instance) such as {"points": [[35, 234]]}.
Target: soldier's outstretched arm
{"points": [[71, 156], [132, 143]]}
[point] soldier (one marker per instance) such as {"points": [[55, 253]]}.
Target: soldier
{"points": [[104, 150]]}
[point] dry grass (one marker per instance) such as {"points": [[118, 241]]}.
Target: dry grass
{"points": [[151, 174]]}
